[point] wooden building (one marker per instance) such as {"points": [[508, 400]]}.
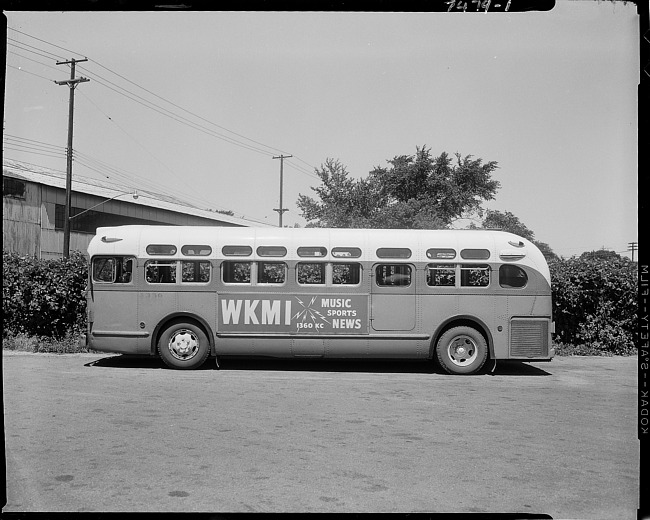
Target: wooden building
{"points": [[33, 211]]}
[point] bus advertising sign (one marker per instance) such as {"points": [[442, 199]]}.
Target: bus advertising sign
{"points": [[303, 314]]}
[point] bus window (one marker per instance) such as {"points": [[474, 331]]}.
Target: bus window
{"points": [[312, 251], [393, 275], [474, 275], [161, 249], [310, 273], [441, 275], [393, 252], [113, 270], [475, 254], [441, 254], [346, 252], [124, 270], [160, 271], [237, 250], [346, 274], [272, 251], [196, 250], [512, 276], [195, 272], [104, 270], [236, 272], [271, 272]]}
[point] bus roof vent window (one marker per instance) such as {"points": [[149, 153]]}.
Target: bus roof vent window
{"points": [[393, 252], [161, 249], [237, 250], [511, 254], [312, 251], [516, 244], [475, 254], [108, 240], [346, 252], [441, 254], [196, 250], [277, 251]]}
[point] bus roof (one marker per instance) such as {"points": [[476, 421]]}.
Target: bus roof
{"points": [[424, 245]]}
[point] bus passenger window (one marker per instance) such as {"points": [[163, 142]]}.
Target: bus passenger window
{"points": [[512, 276], [124, 270], [346, 252], [310, 273], [160, 271], [346, 274], [441, 275], [196, 272], [271, 272], [393, 275], [196, 250], [236, 272], [104, 270], [113, 270], [475, 275]]}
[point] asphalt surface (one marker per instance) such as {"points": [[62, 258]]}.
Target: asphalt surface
{"points": [[91, 432]]}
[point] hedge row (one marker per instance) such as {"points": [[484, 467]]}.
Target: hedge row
{"points": [[595, 303], [43, 297], [594, 300]]}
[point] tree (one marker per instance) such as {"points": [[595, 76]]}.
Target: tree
{"points": [[508, 222], [414, 191], [601, 254]]}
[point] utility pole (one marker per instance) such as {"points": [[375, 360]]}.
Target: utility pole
{"points": [[281, 210], [633, 246], [71, 83]]}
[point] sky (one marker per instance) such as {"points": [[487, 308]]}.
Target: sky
{"points": [[196, 105]]}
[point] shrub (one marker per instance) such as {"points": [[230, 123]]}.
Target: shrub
{"points": [[43, 297], [595, 303]]}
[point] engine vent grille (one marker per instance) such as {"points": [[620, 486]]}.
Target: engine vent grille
{"points": [[528, 337]]}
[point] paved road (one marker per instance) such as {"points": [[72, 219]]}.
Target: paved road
{"points": [[109, 433]]}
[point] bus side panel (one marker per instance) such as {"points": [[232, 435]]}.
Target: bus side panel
{"points": [[398, 348], [347, 347], [200, 303], [115, 328], [531, 335]]}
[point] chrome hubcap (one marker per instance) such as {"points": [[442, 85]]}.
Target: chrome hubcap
{"points": [[462, 351], [184, 344]]}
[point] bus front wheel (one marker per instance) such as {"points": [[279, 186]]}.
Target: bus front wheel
{"points": [[183, 345], [462, 350]]}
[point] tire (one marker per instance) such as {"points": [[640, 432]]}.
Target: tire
{"points": [[183, 345], [462, 350]]}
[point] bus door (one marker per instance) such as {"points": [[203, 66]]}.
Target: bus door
{"points": [[113, 291], [393, 297]]}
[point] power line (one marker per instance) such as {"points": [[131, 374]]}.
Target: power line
{"points": [[20, 165], [168, 113], [43, 41], [151, 105], [17, 139], [27, 72], [187, 111], [21, 46]]}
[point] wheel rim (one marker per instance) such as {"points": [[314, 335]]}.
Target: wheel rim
{"points": [[183, 344], [462, 351]]}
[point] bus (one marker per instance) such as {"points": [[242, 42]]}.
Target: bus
{"points": [[187, 293]]}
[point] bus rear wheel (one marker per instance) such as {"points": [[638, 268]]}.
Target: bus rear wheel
{"points": [[462, 350], [183, 345]]}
